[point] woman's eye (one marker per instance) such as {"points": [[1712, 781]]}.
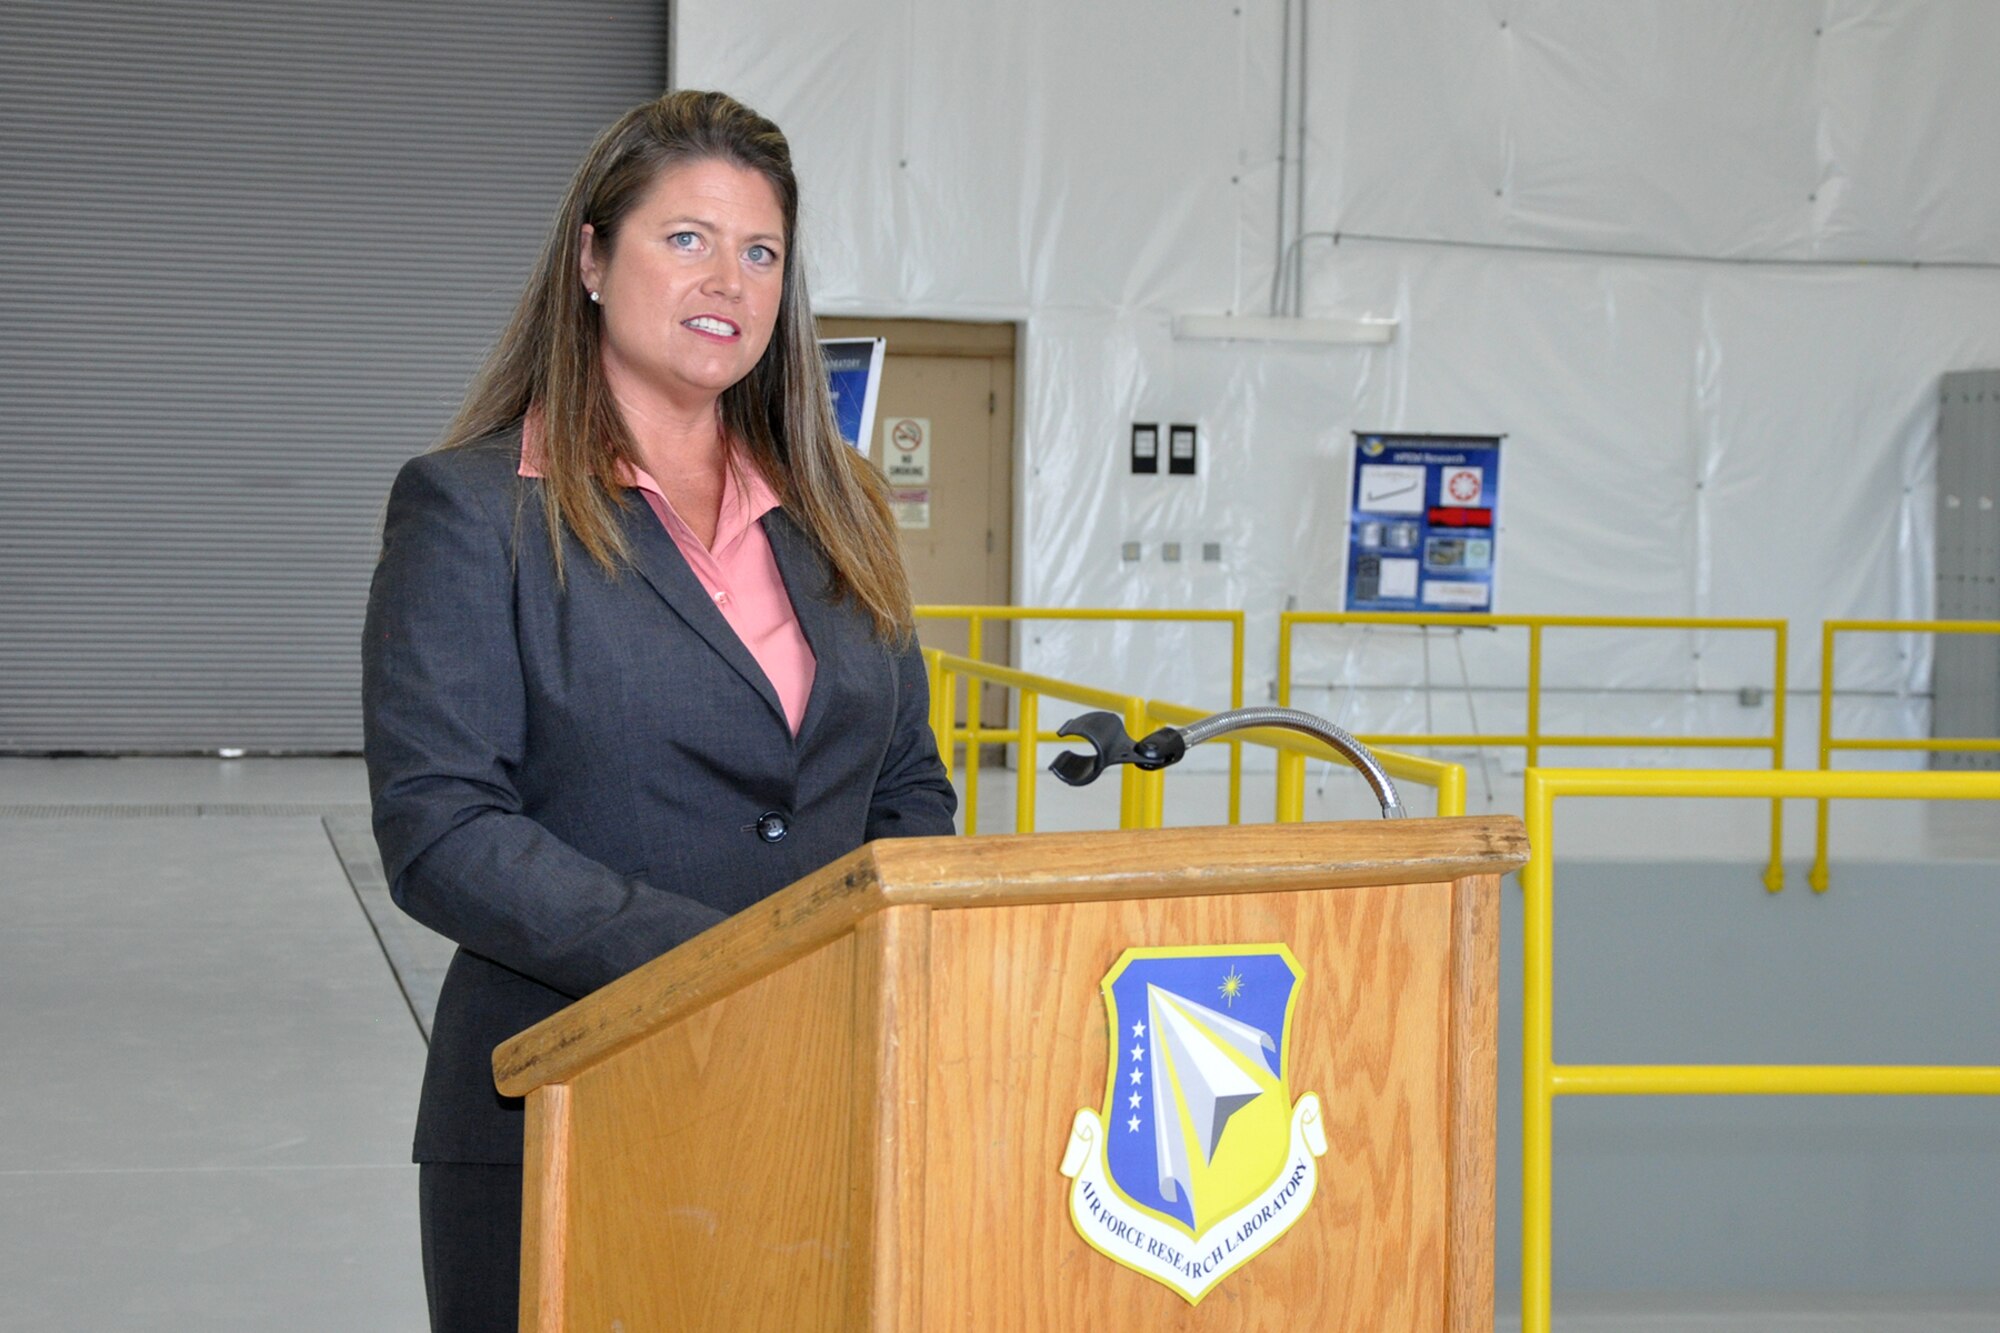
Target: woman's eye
{"points": [[685, 240], [762, 254]]}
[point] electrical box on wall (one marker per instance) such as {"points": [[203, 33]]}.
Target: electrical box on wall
{"points": [[1181, 444], [1145, 446]]}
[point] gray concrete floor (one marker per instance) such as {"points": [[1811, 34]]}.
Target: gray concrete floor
{"points": [[215, 1018], [211, 1068]]}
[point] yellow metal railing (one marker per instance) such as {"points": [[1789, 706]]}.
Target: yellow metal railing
{"points": [[1828, 743], [1136, 794], [975, 732], [1543, 1080], [1141, 794], [1533, 739]]}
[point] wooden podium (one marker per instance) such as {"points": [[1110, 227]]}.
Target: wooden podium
{"points": [[845, 1108]]}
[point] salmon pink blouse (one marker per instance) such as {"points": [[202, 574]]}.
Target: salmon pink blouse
{"points": [[738, 571]]}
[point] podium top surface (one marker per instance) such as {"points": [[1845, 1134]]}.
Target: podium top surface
{"points": [[999, 871]]}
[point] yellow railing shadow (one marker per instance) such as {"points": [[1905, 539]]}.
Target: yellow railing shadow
{"points": [[1828, 743], [1533, 739], [1543, 1080]]}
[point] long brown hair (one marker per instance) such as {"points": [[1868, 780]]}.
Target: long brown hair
{"points": [[780, 414]]}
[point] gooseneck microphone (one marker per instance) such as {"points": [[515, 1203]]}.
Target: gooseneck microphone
{"points": [[1111, 745]]}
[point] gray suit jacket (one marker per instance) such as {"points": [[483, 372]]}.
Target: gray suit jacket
{"points": [[569, 782]]}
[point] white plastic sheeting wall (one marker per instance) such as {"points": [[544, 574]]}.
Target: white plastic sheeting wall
{"points": [[1702, 263]]}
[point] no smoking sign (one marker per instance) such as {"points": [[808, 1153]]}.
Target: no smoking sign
{"points": [[906, 450]]}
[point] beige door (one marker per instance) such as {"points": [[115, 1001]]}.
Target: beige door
{"points": [[958, 530]]}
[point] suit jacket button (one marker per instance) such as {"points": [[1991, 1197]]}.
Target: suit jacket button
{"points": [[771, 826]]}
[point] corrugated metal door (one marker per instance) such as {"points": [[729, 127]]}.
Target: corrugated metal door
{"points": [[249, 255]]}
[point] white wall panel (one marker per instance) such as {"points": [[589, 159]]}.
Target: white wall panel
{"points": [[836, 76], [1683, 128], [1799, 129], [1908, 109], [964, 156], [1409, 114], [1739, 427], [1813, 444]]}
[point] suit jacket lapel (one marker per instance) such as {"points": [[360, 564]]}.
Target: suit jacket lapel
{"points": [[806, 577], [661, 564]]}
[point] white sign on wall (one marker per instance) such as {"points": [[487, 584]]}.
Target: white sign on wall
{"points": [[906, 450], [912, 506], [1388, 488], [1462, 487]]}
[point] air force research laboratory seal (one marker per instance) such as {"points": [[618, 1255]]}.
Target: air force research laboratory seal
{"points": [[1200, 1159]]}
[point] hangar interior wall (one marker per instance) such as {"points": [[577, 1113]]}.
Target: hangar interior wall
{"points": [[1702, 263]]}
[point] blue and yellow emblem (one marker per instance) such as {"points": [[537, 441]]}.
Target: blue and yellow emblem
{"points": [[1200, 1158]]}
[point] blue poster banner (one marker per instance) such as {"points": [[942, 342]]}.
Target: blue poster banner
{"points": [[1423, 523], [854, 375]]}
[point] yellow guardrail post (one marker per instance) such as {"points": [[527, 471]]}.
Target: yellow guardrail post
{"points": [[1534, 695], [940, 719], [1153, 785], [1537, 1095], [1285, 659], [948, 690], [975, 716], [1135, 782], [974, 736], [1817, 876], [1542, 1079], [1027, 759], [1236, 701], [1291, 764], [1450, 790], [1774, 872], [1292, 809]]}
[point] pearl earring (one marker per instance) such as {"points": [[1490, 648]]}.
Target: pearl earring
{"points": [[595, 299]]}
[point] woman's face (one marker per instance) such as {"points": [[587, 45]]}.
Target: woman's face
{"points": [[690, 288]]}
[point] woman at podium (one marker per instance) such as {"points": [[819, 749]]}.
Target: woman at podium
{"points": [[638, 649]]}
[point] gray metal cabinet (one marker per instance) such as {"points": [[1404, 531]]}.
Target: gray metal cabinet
{"points": [[1965, 682]]}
